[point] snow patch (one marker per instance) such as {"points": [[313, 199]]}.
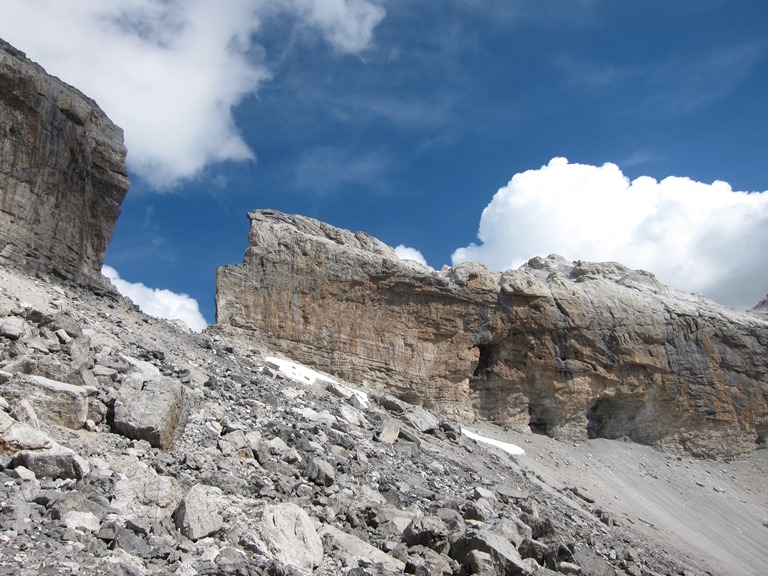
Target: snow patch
{"points": [[305, 375], [507, 447]]}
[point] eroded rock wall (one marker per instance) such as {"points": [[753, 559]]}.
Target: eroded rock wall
{"points": [[62, 172], [573, 350]]}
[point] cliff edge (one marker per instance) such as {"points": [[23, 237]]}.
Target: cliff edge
{"points": [[62, 173], [570, 349]]}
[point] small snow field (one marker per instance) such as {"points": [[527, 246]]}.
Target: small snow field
{"points": [[512, 449], [307, 376]]}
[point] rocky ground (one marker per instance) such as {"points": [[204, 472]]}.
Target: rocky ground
{"points": [[131, 446]]}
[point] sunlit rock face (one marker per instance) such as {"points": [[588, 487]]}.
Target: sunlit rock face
{"points": [[569, 349], [62, 173]]}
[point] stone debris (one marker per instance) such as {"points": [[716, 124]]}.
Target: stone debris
{"points": [[197, 461]]}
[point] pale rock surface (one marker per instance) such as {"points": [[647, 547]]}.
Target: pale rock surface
{"points": [[157, 412], [570, 349], [141, 495], [54, 462], [58, 402], [291, 537], [359, 551], [62, 173], [198, 514]]}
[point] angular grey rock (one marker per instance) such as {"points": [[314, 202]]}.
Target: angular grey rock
{"points": [[421, 419], [157, 412], [141, 495], [320, 472], [235, 444], [290, 536], [389, 432], [83, 520], [16, 436], [506, 558], [429, 531], [14, 328], [359, 551], [54, 462], [198, 514], [480, 510], [62, 173], [54, 402]]}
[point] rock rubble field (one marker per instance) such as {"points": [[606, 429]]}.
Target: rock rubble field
{"points": [[133, 446]]}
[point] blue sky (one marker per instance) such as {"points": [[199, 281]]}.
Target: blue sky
{"points": [[404, 119]]}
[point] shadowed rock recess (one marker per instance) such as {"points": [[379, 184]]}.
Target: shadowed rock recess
{"points": [[62, 173], [573, 350]]}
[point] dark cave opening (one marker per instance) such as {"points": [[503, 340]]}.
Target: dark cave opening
{"points": [[762, 435], [537, 422], [617, 418], [484, 368]]}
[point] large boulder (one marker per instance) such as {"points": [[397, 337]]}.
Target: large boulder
{"points": [[54, 402], [290, 536], [156, 411], [62, 173], [569, 349]]}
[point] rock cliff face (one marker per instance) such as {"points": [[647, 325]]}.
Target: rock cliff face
{"points": [[62, 172], [570, 349]]}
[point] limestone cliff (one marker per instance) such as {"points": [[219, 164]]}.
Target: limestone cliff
{"points": [[570, 349], [62, 172]]}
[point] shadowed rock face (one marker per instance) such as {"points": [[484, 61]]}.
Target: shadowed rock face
{"points": [[570, 349], [62, 173]]}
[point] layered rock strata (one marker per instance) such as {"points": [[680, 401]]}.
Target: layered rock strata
{"points": [[570, 349], [62, 172]]}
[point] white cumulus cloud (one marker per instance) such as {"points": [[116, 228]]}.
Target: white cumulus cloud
{"points": [[406, 253], [158, 302], [698, 237], [170, 72]]}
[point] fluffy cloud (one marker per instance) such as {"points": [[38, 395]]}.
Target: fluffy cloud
{"points": [[170, 71], [157, 302], [406, 253], [698, 237]]}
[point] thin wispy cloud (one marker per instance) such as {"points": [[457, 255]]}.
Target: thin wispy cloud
{"points": [[327, 169], [170, 72], [694, 236], [683, 83]]}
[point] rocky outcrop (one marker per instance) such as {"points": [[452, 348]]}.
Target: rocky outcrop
{"points": [[62, 173], [570, 349]]}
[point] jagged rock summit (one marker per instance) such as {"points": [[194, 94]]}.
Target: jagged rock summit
{"points": [[62, 173], [570, 349]]}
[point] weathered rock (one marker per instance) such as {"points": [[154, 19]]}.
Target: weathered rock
{"points": [[290, 536], [506, 558], [13, 328], [54, 462], [357, 550], [54, 402], [389, 432], [157, 412], [198, 514], [429, 531], [62, 172], [143, 496], [16, 436], [570, 349], [320, 472]]}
